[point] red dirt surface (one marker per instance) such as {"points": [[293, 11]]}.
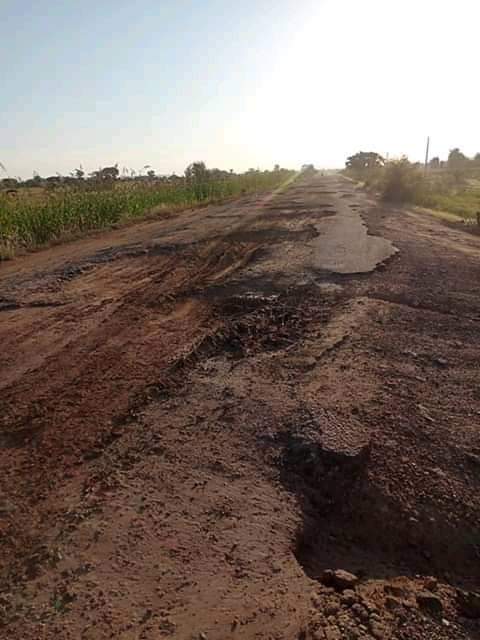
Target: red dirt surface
{"points": [[198, 420]]}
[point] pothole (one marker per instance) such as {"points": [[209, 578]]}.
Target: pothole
{"points": [[324, 456], [246, 323], [269, 322], [273, 234], [351, 521]]}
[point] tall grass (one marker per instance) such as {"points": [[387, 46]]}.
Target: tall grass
{"points": [[466, 205], [28, 223]]}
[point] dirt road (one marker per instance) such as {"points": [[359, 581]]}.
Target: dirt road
{"points": [[203, 413]]}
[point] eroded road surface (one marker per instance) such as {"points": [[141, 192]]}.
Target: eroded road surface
{"points": [[254, 420]]}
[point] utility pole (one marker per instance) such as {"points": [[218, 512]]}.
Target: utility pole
{"points": [[426, 154]]}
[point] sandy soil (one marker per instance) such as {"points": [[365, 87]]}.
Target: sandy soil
{"points": [[203, 414]]}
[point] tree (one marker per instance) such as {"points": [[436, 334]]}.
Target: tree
{"points": [[151, 174], [144, 169], [53, 181], [457, 163], [9, 183], [364, 160], [457, 160], [35, 181], [106, 173], [196, 172]]}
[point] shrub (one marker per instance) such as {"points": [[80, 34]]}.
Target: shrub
{"points": [[402, 182]]}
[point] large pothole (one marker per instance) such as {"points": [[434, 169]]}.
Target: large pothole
{"points": [[352, 522]]}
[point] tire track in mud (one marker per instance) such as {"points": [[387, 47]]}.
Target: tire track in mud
{"points": [[76, 401]]}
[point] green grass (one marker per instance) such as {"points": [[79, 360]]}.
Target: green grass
{"points": [[465, 204], [26, 222]]}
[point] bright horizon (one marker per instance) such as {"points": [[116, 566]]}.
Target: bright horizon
{"points": [[236, 85]]}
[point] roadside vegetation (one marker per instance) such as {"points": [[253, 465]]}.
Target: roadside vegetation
{"points": [[451, 185], [38, 211]]}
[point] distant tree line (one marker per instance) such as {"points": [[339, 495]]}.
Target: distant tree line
{"points": [[368, 160]]}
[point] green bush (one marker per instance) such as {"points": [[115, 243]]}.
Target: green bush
{"points": [[402, 182]]}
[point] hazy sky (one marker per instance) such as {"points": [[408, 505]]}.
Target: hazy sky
{"points": [[237, 84]]}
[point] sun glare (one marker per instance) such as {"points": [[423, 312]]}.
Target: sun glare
{"points": [[361, 72]]}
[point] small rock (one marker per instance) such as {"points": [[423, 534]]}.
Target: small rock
{"points": [[352, 633], [473, 458], [369, 606], [316, 601], [202, 636], [305, 363], [377, 630], [430, 583], [332, 607], [424, 413], [6, 507], [349, 597], [395, 590], [468, 603], [360, 612], [392, 604], [146, 616], [339, 579], [332, 633], [441, 362], [429, 603], [327, 577]]}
